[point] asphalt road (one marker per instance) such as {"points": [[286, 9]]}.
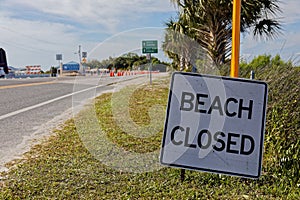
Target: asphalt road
{"points": [[31, 108]]}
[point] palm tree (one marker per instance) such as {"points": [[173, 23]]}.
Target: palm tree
{"points": [[180, 46], [209, 22], [175, 45]]}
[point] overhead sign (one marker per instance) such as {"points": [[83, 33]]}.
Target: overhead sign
{"points": [[150, 46], [215, 124]]}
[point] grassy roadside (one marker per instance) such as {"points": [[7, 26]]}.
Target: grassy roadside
{"points": [[64, 167]]}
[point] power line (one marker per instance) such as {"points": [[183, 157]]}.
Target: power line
{"points": [[25, 47], [29, 36]]}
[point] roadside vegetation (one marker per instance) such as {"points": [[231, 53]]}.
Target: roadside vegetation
{"points": [[62, 167]]}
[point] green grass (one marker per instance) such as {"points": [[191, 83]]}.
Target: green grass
{"points": [[67, 165]]}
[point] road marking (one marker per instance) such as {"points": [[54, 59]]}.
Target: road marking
{"points": [[45, 103], [25, 85], [57, 99]]}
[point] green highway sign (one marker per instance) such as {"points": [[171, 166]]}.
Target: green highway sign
{"points": [[150, 46]]}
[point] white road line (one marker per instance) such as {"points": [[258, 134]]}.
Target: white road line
{"points": [[56, 99], [45, 103]]}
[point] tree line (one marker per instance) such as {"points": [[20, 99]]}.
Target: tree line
{"points": [[129, 61]]}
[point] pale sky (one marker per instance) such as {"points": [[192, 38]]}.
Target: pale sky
{"points": [[33, 32]]}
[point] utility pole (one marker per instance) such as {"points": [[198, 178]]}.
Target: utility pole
{"points": [[80, 65], [79, 53]]}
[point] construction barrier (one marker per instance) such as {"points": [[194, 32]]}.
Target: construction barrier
{"points": [[130, 73], [111, 74]]}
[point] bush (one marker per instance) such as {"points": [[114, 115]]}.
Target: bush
{"points": [[282, 138]]}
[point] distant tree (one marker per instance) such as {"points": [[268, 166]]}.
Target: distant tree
{"points": [[260, 61], [95, 64], [127, 61], [276, 61]]}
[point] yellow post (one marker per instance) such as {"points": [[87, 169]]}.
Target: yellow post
{"points": [[236, 29]]}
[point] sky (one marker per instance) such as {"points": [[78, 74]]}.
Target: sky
{"points": [[33, 32]]}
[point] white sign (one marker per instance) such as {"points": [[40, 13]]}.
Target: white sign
{"points": [[215, 124]]}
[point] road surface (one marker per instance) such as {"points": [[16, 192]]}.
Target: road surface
{"points": [[31, 108]]}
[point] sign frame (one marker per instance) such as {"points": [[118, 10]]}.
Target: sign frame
{"points": [[169, 119]]}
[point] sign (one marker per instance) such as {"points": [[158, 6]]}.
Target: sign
{"points": [[150, 46], [58, 56], [71, 66], [33, 69], [84, 54], [215, 124]]}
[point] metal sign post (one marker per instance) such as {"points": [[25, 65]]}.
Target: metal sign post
{"points": [[149, 58], [59, 58]]}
